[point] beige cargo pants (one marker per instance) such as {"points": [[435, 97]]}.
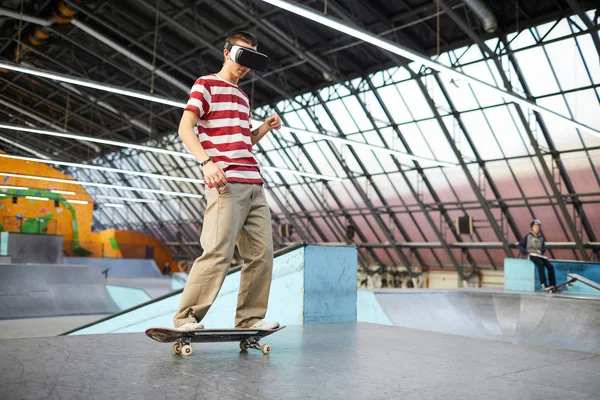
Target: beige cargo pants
{"points": [[239, 212]]}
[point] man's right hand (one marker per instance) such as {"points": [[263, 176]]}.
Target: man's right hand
{"points": [[214, 175]]}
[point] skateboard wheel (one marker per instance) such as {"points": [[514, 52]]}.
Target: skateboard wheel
{"points": [[266, 349], [244, 345], [177, 348], [186, 350]]}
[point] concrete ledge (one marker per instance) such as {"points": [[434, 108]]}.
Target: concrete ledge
{"points": [[310, 285], [520, 275]]}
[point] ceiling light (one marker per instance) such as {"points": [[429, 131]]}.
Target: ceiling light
{"points": [[418, 58], [13, 187], [86, 138], [104, 185], [376, 149], [127, 199], [27, 149], [64, 192], [78, 201], [128, 145], [301, 173], [332, 23], [114, 170], [36, 198], [90, 84], [114, 205]]}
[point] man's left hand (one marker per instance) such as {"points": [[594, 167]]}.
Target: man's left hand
{"points": [[273, 122]]}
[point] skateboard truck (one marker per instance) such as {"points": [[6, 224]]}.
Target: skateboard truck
{"points": [[252, 343], [184, 347]]}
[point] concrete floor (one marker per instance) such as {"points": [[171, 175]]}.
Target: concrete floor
{"points": [[333, 361], [43, 327]]}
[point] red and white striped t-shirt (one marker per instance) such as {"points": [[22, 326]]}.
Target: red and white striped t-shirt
{"points": [[223, 112]]}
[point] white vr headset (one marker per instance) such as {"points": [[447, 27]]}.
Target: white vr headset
{"points": [[247, 57]]}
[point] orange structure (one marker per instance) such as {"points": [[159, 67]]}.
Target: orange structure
{"points": [[42, 207]]}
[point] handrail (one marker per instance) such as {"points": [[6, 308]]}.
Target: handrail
{"points": [[232, 270], [585, 281]]}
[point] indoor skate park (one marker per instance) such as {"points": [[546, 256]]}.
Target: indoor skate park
{"points": [[433, 191]]}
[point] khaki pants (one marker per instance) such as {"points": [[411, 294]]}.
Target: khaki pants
{"points": [[236, 211]]}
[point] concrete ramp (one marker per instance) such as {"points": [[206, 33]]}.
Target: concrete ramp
{"points": [[311, 284], [120, 267], [540, 319], [28, 291]]}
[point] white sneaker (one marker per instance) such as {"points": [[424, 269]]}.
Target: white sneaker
{"points": [[190, 326], [265, 325]]}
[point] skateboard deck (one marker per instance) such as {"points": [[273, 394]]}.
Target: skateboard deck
{"points": [[556, 287], [248, 338]]}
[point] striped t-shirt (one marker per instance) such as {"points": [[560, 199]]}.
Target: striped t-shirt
{"points": [[223, 112]]}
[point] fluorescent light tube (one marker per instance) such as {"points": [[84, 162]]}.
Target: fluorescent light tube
{"points": [[36, 198], [114, 205], [376, 149], [106, 169], [27, 149], [307, 174], [132, 146], [104, 185], [13, 187], [89, 139], [127, 199], [64, 192], [78, 201], [90, 84]]}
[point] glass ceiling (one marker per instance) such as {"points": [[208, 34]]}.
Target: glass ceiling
{"points": [[530, 165]]}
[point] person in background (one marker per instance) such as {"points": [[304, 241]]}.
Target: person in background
{"points": [[167, 269], [533, 245]]}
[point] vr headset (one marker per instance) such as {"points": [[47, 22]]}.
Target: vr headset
{"points": [[247, 57]]}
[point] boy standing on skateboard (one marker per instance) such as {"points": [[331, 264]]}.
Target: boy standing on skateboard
{"points": [[236, 204]]}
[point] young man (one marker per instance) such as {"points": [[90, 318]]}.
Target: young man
{"points": [[534, 246], [236, 204]]}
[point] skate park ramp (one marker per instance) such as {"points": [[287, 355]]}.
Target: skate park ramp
{"points": [[310, 284], [29, 291], [120, 267], [531, 318]]}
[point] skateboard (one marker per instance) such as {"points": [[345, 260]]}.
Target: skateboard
{"points": [[556, 287], [248, 338]]}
